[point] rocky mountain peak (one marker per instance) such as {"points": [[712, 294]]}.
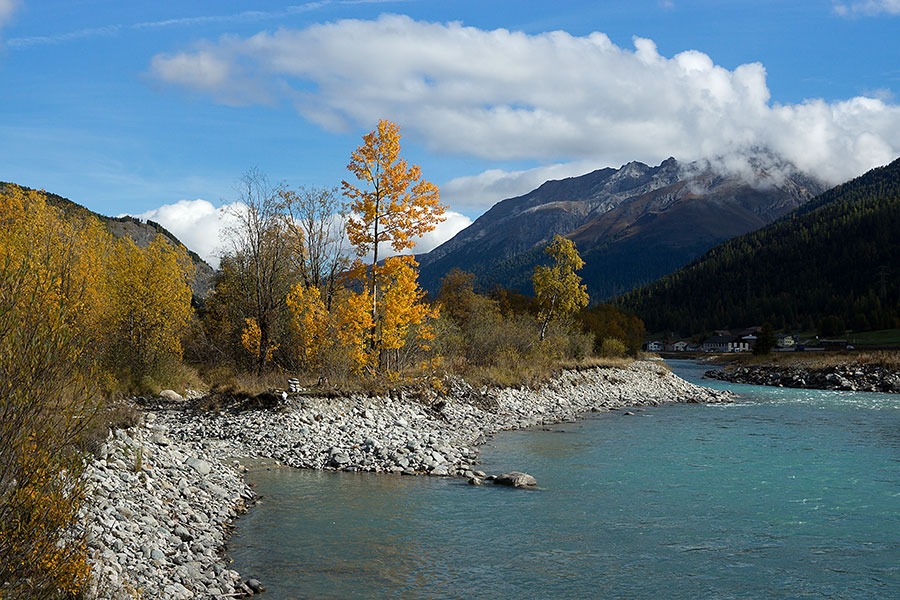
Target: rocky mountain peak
{"points": [[673, 210]]}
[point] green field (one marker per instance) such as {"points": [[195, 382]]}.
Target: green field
{"points": [[882, 338]]}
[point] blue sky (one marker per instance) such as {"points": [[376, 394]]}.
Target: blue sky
{"points": [[148, 107]]}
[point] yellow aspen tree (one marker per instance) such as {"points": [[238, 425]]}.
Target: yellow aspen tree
{"points": [[558, 288], [401, 309], [392, 204], [250, 340], [352, 322], [46, 264], [311, 322], [150, 290]]}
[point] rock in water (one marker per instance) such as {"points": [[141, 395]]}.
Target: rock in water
{"points": [[340, 459], [516, 479]]}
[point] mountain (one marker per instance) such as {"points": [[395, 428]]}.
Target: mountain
{"points": [[142, 232], [834, 258], [631, 225]]}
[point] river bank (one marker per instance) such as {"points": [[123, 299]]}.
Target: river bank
{"points": [[163, 493], [850, 377]]}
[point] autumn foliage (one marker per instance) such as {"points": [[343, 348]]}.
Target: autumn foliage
{"points": [[390, 204], [557, 287], [84, 316], [74, 303]]}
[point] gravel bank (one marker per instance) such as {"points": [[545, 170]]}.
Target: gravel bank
{"points": [[157, 517], [162, 528], [855, 378]]}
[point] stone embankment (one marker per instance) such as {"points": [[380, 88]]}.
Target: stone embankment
{"points": [[157, 517], [855, 378], [165, 491]]}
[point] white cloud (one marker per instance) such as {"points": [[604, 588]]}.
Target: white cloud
{"points": [[502, 95], [453, 223], [477, 193], [7, 8], [868, 7], [198, 224]]}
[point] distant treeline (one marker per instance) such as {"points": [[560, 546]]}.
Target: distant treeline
{"points": [[835, 259]]}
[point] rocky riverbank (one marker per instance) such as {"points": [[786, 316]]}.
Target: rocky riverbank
{"points": [[157, 517], [854, 378], [165, 491]]}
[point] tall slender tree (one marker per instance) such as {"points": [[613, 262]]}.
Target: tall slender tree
{"points": [[392, 203], [313, 221]]}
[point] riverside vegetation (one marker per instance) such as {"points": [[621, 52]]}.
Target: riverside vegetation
{"points": [[88, 320]]}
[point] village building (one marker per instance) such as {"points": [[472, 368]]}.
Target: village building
{"points": [[728, 343], [785, 340]]}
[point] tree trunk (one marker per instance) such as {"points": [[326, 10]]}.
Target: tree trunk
{"points": [[374, 286], [547, 318], [263, 346]]}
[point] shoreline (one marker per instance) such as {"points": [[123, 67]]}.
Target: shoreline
{"points": [[849, 377], [182, 466]]}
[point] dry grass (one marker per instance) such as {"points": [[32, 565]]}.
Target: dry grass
{"points": [[818, 360], [116, 413], [596, 361], [233, 390], [533, 374]]}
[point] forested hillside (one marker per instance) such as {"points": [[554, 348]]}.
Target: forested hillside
{"points": [[142, 232], [837, 256]]}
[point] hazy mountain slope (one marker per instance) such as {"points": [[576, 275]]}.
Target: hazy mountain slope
{"points": [[631, 225], [835, 256], [140, 231]]}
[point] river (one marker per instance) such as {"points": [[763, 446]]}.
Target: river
{"points": [[784, 494]]}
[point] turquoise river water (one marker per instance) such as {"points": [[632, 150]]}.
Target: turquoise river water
{"points": [[783, 494]]}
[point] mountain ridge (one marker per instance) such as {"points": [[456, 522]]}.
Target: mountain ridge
{"points": [[621, 220], [833, 257]]}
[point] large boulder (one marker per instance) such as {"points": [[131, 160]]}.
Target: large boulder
{"points": [[171, 396], [516, 479]]}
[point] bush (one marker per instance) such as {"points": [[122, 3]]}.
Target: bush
{"points": [[606, 321], [612, 348], [45, 406]]}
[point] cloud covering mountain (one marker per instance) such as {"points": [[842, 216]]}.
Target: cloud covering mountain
{"points": [[550, 97]]}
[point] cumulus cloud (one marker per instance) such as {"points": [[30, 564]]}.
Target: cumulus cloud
{"points": [[476, 193], [502, 95], [197, 223], [200, 226], [868, 7], [453, 223]]}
